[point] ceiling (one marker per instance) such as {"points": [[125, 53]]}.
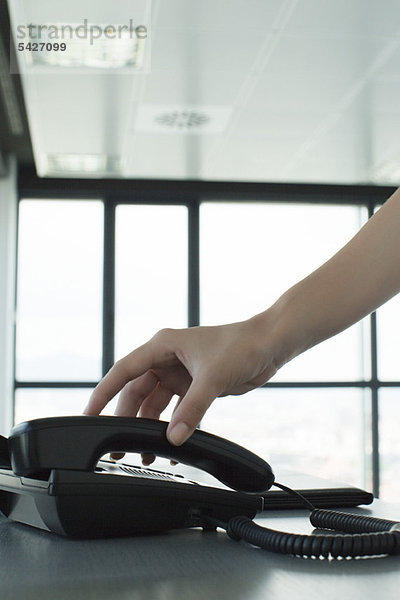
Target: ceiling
{"points": [[231, 90]]}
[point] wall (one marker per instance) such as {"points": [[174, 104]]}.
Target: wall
{"points": [[8, 238]]}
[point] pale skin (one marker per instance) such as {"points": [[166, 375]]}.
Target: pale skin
{"points": [[200, 364]]}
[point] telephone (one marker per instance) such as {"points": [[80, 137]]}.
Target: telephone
{"points": [[52, 477]]}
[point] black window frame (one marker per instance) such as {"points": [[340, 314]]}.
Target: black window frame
{"points": [[114, 192]]}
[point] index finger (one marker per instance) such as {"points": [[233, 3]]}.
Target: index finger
{"points": [[126, 369]]}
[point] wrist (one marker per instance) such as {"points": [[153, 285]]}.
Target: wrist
{"points": [[280, 331]]}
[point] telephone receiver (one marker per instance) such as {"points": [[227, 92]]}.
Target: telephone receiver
{"points": [[52, 477], [77, 443]]}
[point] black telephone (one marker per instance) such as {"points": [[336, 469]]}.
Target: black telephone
{"points": [[51, 477]]}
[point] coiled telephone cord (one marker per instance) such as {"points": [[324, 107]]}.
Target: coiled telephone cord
{"points": [[360, 535]]}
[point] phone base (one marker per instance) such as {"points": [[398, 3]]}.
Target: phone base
{"points": [[117, 500]]}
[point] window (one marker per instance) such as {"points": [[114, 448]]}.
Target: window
{"points": [[389, 399], [59, 290], [59, 308], [307, 430], [251, 253], [151, 266], [98, 275]]}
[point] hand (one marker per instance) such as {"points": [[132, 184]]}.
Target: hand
{"points": [[197, 364], [202, 363]]}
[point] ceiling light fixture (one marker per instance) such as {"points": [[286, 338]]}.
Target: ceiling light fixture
{"points": [[81, 164], [124, 52]]}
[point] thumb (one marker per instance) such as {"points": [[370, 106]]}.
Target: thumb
{"points": [[190, 411]]}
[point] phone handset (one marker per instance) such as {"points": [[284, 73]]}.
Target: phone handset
{"points": [[79, 442]]}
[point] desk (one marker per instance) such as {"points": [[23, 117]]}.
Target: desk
{"points": [[189, 565]]}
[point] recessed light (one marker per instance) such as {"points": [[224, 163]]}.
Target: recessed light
{"points": [[84, 164], [126, 52]]}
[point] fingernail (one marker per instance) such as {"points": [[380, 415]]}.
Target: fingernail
{"points": [[179, 434], [148, 459], [116, 456]]}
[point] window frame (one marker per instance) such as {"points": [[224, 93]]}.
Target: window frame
{"points": [[191, 194]]}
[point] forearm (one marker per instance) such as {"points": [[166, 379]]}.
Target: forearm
{"points": [[360, 277]]}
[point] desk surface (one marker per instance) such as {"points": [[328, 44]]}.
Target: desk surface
{"points": [[189, 564]]}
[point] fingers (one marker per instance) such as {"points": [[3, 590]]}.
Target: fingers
{"points": [[138, 375], [173, 463], [130, 399], [125, 370], [147, 395], [134, 393], [156, 402], [147, 458], [176, 405], [152, 408], [190, 410]]}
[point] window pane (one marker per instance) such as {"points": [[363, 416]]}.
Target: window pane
{"points": [[59, 302], [315, 431], [388, 330], [37, 403], [251, 253], [151, 272], [389, 442]]}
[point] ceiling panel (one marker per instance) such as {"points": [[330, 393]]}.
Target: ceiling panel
{"points": [[345, 18], [194, 49], [193, 87], [218, 14], [171, 157], [70, 108]]}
